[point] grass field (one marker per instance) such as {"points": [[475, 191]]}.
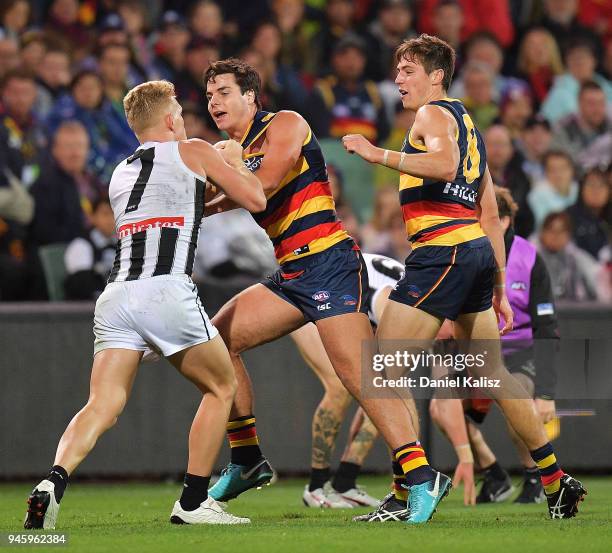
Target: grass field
{"points": [[134, 518]]}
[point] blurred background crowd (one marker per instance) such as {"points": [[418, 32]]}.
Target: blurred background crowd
{"points": [[536, 76]]}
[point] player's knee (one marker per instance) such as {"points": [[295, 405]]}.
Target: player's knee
{"points": [[225, 390], [337, 395], [106, 413]]}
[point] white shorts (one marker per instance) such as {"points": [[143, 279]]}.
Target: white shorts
{"points": [[162, 313]]}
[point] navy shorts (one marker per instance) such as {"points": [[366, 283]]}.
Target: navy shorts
{"points": [[447, 281], [333, 282]]}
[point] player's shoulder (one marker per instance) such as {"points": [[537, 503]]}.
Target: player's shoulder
{"points": [[288, 120], [194, 144], [432, 113]]}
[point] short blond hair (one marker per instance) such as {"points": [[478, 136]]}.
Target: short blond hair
{"points": [[144, 102]]}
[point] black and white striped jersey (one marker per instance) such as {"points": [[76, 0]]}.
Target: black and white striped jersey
{"points": [[158, 203], [383, 271]]}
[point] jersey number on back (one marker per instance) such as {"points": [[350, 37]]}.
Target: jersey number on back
{"points": [[146, 160], [471, 161]]}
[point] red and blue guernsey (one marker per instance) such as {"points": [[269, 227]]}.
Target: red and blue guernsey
{"points": [[441, 213], [300, 217]]}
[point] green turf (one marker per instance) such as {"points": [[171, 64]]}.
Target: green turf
{"points": [[134, 518]]}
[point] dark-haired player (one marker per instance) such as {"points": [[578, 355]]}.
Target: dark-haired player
{"points": [[457, 267], [322, 276]]}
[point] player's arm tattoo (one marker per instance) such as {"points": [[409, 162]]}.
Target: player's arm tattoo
{"points": [[325, 426]]}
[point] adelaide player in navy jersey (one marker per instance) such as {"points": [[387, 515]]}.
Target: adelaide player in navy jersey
{"points": [[456, 270]]}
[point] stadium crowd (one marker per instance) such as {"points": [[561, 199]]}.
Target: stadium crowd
{"points": [[536, 76]]}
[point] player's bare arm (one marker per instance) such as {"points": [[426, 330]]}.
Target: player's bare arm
{"points": [[227, 171], [489, 221], [435, 129], [284, 139]]}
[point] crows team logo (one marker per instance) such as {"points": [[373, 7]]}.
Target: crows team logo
{"points": [[349, 300], [322, 295]]}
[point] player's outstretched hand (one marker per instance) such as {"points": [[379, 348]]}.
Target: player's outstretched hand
{"points": [[503, 309], [231, 151], [465, 473], [357, 144]]}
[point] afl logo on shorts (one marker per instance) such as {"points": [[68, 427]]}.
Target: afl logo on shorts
{"points": [[322, 295], [518, 285], [413, 291]]}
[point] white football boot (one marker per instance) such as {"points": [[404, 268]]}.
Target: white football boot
{"points": [[42, 507], [324, 498], [209, 512]]}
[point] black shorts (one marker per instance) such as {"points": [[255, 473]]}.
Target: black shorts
{"points": [[332, 282], [447, 281]]}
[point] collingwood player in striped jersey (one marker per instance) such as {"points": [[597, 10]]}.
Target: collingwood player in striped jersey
{"points": [[150, 302]]}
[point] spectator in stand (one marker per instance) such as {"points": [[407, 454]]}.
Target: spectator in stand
{"points": [[339, 22], [9, 55], [134, 17], [592, 214], [206, 22], [344, 102], [597, 15], [110, 139], [113, 67], [295, 48], [574, 273], [53, 78], [587, 134], [558, 190], [448, 21], [199, 54], [484, 48], [376, 234], [478, 100], [16, 211], [170, 46], [392, 25], [516, 108], [63, 21], [561, 19], [562, 99], [89, 259], [477, 16], [535, 141], [14, 15], [65, 192], [34, 44], [398, 247], [505, 166], [539, 61], [267, 40], [21, 137]]}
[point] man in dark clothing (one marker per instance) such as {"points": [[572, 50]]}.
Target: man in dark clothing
{"points": [[65, 191]]}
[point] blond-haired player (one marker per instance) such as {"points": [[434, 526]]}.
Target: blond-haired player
{"points": [[150, 302]]}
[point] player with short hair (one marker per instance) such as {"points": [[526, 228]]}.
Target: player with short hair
{"points": [[456, 270], [532, 363], [150, 302], [322, 277]]}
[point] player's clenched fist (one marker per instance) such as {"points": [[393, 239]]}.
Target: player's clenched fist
{"points": [[357, 144], [231, 151]]}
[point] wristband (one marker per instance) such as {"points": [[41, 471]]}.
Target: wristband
{"points": [[464, 453], [499, 286], [385, 157], [401, 161], [500, 270]]}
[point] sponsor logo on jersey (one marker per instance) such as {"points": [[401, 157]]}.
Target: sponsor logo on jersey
{"points": [[324, 307], [518, 285], [321, 295], [460, 191], [413, 291], [301, 250], [148, 224], [253, 163], [348, 300]]}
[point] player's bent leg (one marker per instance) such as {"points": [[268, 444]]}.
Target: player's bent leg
{"points": [[253, 317], [209, 367], [326, 420], [562, 491], [112, 377]]}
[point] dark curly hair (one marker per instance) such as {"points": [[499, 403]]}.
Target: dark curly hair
{"points": [[246, 75]]}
